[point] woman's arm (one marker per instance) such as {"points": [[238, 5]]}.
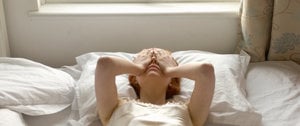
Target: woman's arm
{"points": [[204, 77], [105, 87]]}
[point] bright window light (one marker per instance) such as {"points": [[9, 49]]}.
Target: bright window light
{"points": [[132, 1]]}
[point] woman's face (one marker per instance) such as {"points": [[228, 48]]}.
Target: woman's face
{"points": [[148, 59], [154, 60]]}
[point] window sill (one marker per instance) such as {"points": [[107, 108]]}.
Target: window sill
{"points": [[215, 8]]}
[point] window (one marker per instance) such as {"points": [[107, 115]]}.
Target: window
{"points": [[140, 7], [132, 1]]}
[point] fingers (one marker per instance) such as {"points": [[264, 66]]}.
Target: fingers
{"points": [[149, 52], [161, 52], [158, 52], [157, 55]]}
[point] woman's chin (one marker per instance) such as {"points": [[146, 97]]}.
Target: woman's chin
{"points": [[153, 73]]}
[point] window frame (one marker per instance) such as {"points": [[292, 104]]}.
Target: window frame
{"points": [[133, 1], [42, 8]]}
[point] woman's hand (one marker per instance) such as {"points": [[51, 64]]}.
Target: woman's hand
{"points": [[165, 60], [143, 59]]}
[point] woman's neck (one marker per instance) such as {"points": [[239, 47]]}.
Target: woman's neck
{"points": [[153, 96]]}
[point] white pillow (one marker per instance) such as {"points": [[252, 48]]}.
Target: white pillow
{"points": [[11, 118], [33, 88], [229, 104], [86, 92]]}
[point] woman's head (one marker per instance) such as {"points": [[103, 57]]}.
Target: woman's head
{"points": [[159, 58]]}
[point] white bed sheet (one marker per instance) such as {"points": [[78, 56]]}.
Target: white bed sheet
{"points": [[273, 88], [11, 118], [65, 117], [57, 119]]}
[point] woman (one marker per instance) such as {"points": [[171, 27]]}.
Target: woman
{"points": [[153, 72]]}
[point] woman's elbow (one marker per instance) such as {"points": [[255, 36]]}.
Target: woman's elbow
{"points": [[207, 70], [104, 63]]}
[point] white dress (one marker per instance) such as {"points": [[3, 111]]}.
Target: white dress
{"points": [[135, 113]]}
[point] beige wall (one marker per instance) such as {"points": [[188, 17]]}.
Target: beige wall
{"points": [[57, 40]]}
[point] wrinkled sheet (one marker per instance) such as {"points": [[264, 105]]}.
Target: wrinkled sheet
{"points": [[273, 88]]}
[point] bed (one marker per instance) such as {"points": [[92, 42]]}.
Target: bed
{"points": [[247, 94], [257, 88]]}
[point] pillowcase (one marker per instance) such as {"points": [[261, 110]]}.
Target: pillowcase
{"points": [[85, 93], [33, 88], [229, 104]]}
